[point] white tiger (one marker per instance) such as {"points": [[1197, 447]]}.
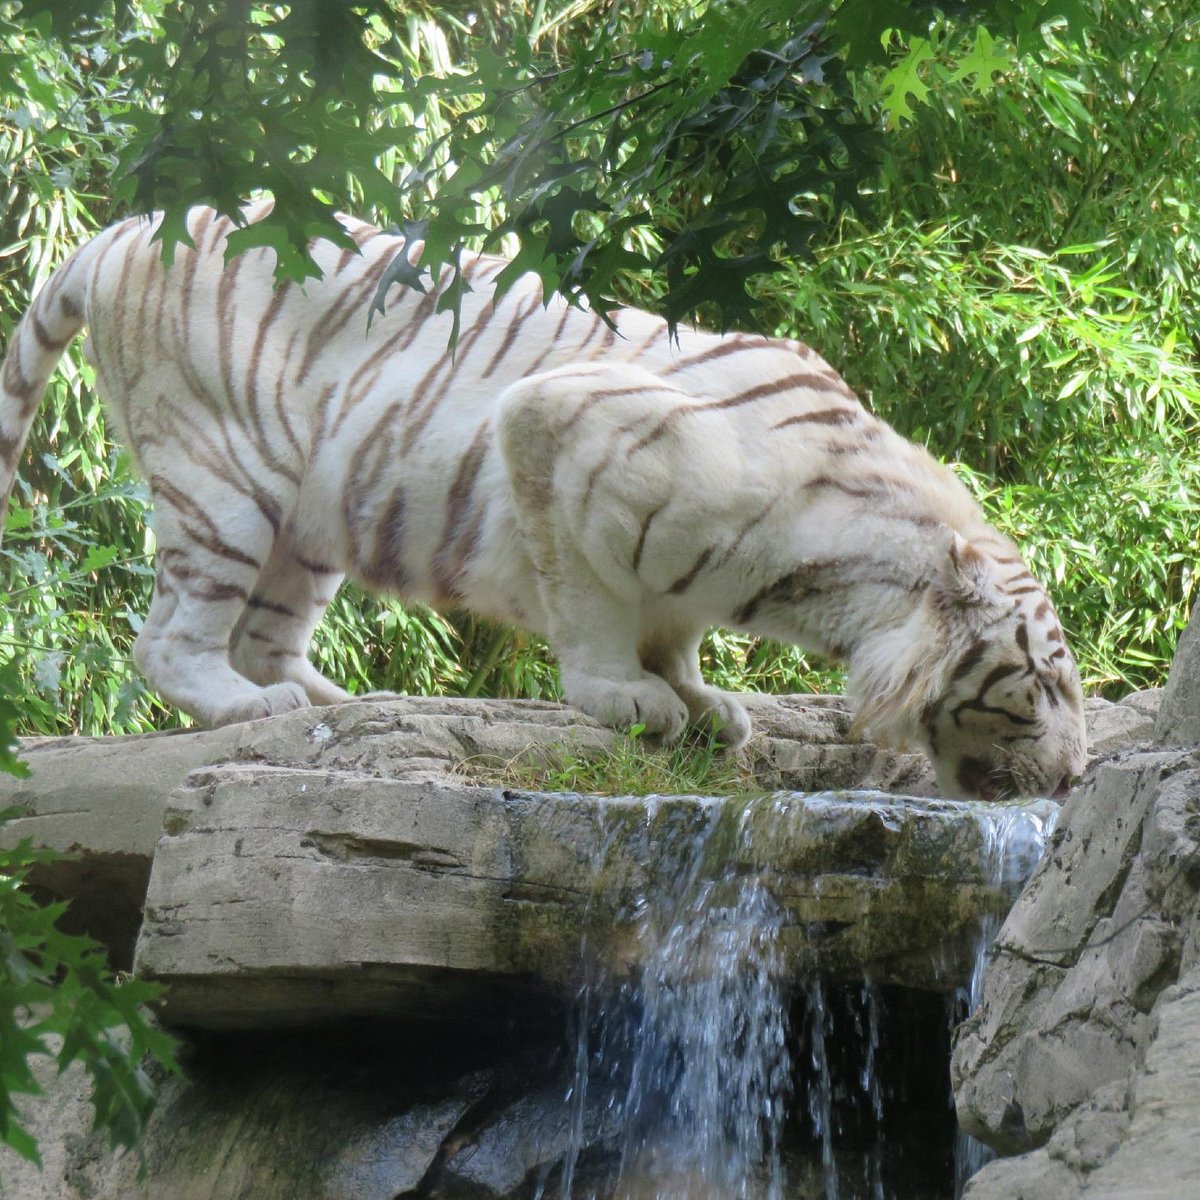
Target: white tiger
{"points": [[616, 491]]}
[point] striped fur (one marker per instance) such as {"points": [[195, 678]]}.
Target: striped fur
{"points": [[614, 491]]}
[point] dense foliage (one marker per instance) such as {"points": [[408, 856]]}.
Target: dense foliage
{"points": [[559, 134], [989, 228], [59, 999]]}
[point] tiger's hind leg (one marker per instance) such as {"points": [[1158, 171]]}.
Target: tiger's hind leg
{"points": [[213, 540], [270, 642]]}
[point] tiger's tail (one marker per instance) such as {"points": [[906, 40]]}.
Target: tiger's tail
{"points": [[51, 321]]}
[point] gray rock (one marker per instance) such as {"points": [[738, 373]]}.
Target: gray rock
{"points": [[1135, 1138], [1085, 1043], [100, 801], [1030, 1177], [1119, 725], [281, 896], [363, 1115], [1159, 1155], [1083, 954], [1179, 715]]}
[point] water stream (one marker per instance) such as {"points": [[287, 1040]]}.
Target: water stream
{"points": [[1014, 838], [713, 1075]]}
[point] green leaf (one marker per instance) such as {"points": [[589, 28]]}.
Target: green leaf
{"points": [[99, 557], [11, 715], [863, 26], [23, 1142], [986, 59], [903, 85]]}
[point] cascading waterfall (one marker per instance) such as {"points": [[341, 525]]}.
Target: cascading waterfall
{"points": [[711, 1067], [1014, 838], [820, 1088], [692, 1054], [703, 1088]]}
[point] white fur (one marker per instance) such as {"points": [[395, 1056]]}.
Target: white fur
{"points": [[620, 494]]}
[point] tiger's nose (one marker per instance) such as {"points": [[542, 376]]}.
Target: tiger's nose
{"points": [[1064, 788]]}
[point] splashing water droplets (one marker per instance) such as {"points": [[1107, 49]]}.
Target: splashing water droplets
{"points": [[684, 1066]]}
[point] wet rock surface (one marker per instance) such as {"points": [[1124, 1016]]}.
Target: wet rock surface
{"points": [[279, 896], [1082, 1060], [345, 870]]}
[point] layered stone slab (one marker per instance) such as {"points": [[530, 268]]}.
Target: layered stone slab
{"points": [[100, 801], [283, 895]]}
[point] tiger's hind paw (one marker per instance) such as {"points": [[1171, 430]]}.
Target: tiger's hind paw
{"points": [[266, 702]]}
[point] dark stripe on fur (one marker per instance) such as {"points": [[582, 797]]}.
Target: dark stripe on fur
{"points": [[510, 334], [14, 379], [641, 542], [256, 601], [760, 391], [386, 568], [733, 344], [462, 526], [685, 581], [8, 450], [51, 345], [552, 345], [193, 515], [969, 661], [317, 568], [826, 416], [743, 533]]}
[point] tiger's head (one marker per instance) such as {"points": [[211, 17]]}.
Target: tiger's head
{"points": [[981, 678]]}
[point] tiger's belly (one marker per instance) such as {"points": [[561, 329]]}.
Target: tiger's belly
{"points": [[437, 527]]}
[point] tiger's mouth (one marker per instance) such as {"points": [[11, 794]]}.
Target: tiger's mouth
{"points": [[992, 783], [979, 778]]}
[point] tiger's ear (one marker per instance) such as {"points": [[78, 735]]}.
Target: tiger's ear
{"points": [[967, 578]]}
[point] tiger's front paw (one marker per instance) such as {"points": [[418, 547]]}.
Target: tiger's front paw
{"points": [[727, 717], [721, 713], [648, 702]]}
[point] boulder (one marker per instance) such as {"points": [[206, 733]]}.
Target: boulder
{"points": [[1083, 955], [1081, 1060], [359, 1113], [1179, 714], [100, 801]]}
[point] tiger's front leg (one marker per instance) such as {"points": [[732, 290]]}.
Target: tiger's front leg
{"points": [[674, 655], [592, 622], [593, 636]]}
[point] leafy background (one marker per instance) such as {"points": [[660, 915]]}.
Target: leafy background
{"points": [[985, 219]]}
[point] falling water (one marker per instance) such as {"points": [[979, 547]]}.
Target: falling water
{"points": [[820, 1088], [1014, 838], [711, 1067], [688, 1057], [692, 1053]]}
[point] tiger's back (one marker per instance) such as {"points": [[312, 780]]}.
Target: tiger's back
{"points": [[611, 489]]}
